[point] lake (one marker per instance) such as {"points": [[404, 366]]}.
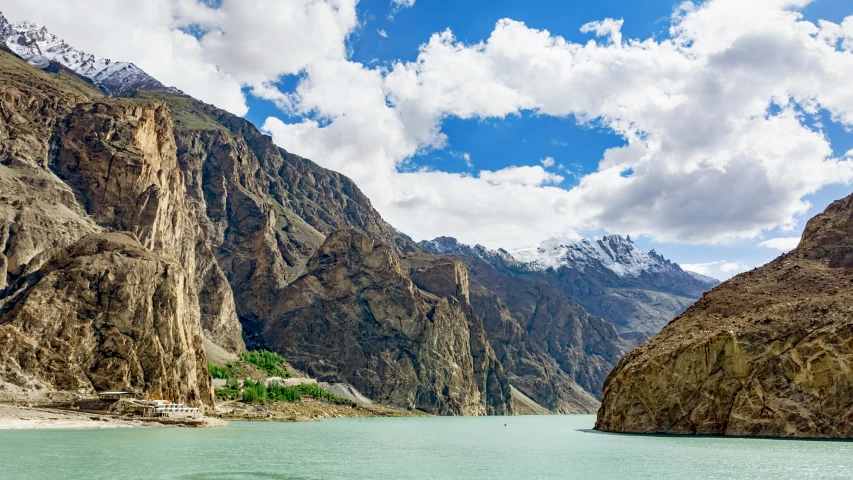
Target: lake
{"points": [[535, 447]]}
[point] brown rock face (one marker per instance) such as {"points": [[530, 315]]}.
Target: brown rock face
{"points": [[356, 316], [129, 320], [75, 164], [551, 349], [266, 212], [448, 278], [767, 353]]}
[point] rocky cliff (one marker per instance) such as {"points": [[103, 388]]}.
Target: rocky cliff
{"points": [[357, 317], [767, 353], [82, 309]]}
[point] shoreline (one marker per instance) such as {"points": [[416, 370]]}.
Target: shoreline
{"points": [[24, 417], [32, 416]]}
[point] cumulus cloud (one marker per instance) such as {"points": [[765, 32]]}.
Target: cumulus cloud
{"points": [[783, 244], [610, 28], [547, 162], [210, 53], [731, 267], [528, 176], [403, 3], [700, 268], [717, 145], [382, 33]]}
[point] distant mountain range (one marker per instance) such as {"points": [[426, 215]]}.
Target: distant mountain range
{"points": [[639, 292]]}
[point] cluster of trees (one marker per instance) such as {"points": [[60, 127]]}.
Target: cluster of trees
{"points": [[259, 392], [269, 362], [251, 391]]}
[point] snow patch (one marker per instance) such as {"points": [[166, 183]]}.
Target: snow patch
{"points": [[39, 47]]}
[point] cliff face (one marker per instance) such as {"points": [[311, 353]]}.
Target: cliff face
{"points": [[552, 350], [356, 316], [767, 353], [129, 319], [266, 212], [74, 166]]}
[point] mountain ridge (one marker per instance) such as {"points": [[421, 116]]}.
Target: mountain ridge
{"points": [[35, 44], [612, 278]]}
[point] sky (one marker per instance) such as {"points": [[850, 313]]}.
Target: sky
{"points": [[709, 131]]}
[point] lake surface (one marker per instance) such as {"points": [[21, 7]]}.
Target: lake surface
{"points": [[550, 447]]}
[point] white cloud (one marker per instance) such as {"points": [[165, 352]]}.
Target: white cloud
{"points": [[403, 3], [783, 244], [528, 176], [382, 33], [547, 162], [712, 118], [709, 160], [731, 267], [467, 158], [241, 45], [610, 28], [700, 268]]}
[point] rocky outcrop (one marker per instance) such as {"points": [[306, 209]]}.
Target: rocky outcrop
{"points": [[448, 278], [265, 212], [356, 317], [75, 164], [128, 320], [767, 353]]}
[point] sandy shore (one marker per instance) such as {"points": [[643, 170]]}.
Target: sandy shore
{"points": [[16, 417]]}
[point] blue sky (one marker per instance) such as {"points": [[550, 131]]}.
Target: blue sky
{"points": [[390, 34], [507, 122]]}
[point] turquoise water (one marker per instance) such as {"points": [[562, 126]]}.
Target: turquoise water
{"points": [[553, 447]]}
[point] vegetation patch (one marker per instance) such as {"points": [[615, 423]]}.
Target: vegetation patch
{"points": [[259, 392], [269, 362], [258, 364]]}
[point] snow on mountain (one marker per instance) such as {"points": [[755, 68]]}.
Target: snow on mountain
{"points": [[614, 252], [702, 278], [39, 47]]}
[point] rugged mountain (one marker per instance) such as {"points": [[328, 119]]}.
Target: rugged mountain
{"points": [[231, 224], [552, 350], [260, 246], [82, 309], [356, 316], [638, 292], [767, 353], [39, 47]]}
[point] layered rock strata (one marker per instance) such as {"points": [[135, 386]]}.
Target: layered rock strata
{"points": [[767, 353]]}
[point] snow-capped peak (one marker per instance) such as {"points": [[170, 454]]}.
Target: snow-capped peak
{"points": [[616, 253], [39, 47]]}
